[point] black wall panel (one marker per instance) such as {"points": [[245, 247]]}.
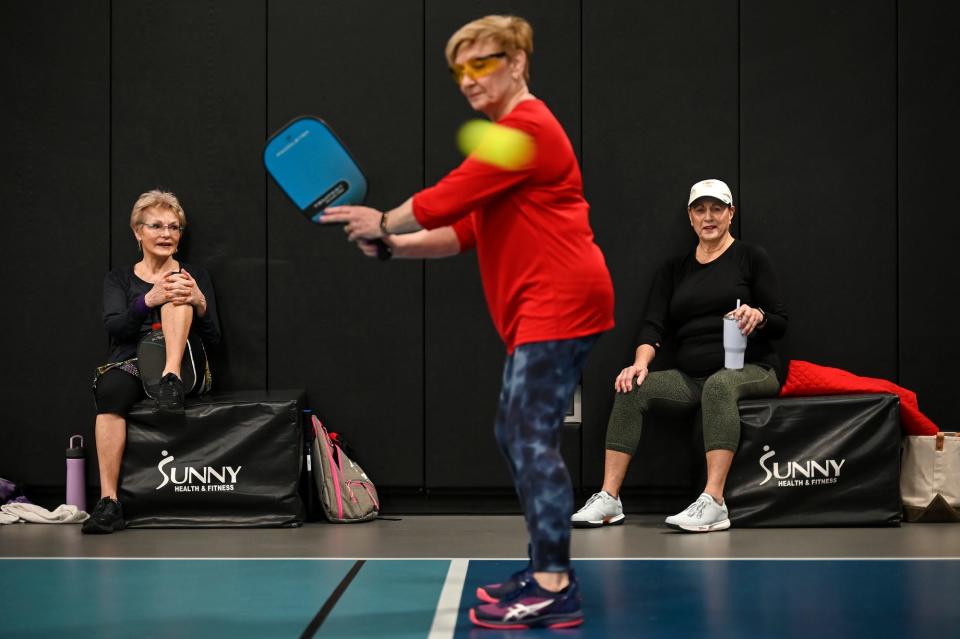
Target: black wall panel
{"points": [[834, 123], [189, 117], [54, 67], [463, 354], [347, 328], [659, 113], [929, 93], [818, 158]]}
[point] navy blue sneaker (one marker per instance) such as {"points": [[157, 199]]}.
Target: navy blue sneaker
{"points": [[531, 606], [492, 593]]}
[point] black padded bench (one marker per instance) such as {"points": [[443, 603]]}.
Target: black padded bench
{"points": [[233, 459], [817, 461]]}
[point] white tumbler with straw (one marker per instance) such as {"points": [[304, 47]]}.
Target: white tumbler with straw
{"points": [[734, 342]]}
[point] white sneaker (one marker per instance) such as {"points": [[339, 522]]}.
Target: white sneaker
{"points": [[703, 515], [601, 509]]}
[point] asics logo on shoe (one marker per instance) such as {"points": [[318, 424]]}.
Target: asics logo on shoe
{"points": [[521, 611]]}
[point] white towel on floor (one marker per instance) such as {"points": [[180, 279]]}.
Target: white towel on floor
{"points": [[64, 514], [8, 519]]}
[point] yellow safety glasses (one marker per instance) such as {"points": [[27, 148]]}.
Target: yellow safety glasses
{"points": [[477, 67]]}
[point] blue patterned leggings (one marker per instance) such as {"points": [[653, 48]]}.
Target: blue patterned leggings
{"points": [[538, 382]]}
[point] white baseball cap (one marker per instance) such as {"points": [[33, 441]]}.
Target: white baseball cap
{"points": [[711, 188]]}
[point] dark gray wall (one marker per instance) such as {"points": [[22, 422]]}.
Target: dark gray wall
{"points": [[818, 181], [834, 123], [55, 195], [927, 166], [349, 329]]}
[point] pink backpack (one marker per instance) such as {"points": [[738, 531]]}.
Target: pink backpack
{"points": [[347, 494]]}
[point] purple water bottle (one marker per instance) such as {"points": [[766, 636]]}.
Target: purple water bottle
{"points": [[76, 475]]}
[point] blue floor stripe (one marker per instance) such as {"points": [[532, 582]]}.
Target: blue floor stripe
{"points": [[782, 599]]}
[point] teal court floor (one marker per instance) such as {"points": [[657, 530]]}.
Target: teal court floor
{"points": [[106, 591], [430, 598]]}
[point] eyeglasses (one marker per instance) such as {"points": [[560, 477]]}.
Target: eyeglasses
{"points": [[477, 67], [156, 227]]}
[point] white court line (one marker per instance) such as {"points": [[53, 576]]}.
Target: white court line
{"points": [[454, 559], [448, 607]]}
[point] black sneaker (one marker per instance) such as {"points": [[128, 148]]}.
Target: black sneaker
{"points": [[106, 517], [170, 395]]}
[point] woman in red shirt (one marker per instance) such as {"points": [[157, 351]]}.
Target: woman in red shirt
{"points": [[546, 285]]}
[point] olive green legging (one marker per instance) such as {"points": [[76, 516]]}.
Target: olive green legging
{"points": [[674, 392]]}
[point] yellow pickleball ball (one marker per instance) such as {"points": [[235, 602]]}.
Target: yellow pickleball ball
{"points": [[501, 146]]}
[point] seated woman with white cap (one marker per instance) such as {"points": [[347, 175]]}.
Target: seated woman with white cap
{"points": [[689, 297]]}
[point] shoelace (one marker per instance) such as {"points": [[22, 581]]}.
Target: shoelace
{"points": [[520, 573], [696, 508], [168, 390], [523, 590], [100, 510], [593, 498]]}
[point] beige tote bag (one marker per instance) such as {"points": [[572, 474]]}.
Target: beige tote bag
{"points": [[930, 478]]}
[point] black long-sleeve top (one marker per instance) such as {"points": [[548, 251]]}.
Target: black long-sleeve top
{"points": [[688, 301], [127, 318]]}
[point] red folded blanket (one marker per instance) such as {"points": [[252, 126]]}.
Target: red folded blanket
{"points": [[806, 378]]}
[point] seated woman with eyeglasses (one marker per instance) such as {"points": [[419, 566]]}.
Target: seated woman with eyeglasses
{"points": [[156, 290]]}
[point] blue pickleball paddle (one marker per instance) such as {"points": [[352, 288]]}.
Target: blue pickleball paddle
{"points": [[314, 168]]}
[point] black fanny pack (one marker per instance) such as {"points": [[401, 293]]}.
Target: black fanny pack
{"points": [[194, 368]]}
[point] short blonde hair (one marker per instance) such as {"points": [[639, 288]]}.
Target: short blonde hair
{"points": [[157, 199], [513, 33]]}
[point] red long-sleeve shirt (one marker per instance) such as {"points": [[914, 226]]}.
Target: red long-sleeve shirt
{"points": [[544, 277]]}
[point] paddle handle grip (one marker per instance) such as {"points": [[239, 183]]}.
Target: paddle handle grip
{"points": [[383, 251]]}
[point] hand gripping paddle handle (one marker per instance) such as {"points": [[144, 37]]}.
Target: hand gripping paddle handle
{"points": [[383, 251]]}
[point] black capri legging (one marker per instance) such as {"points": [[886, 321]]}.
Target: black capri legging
{"points": [[117, 391]]}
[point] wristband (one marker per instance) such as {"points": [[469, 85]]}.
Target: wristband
{"points": [[140, 305], [383, 224]]}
